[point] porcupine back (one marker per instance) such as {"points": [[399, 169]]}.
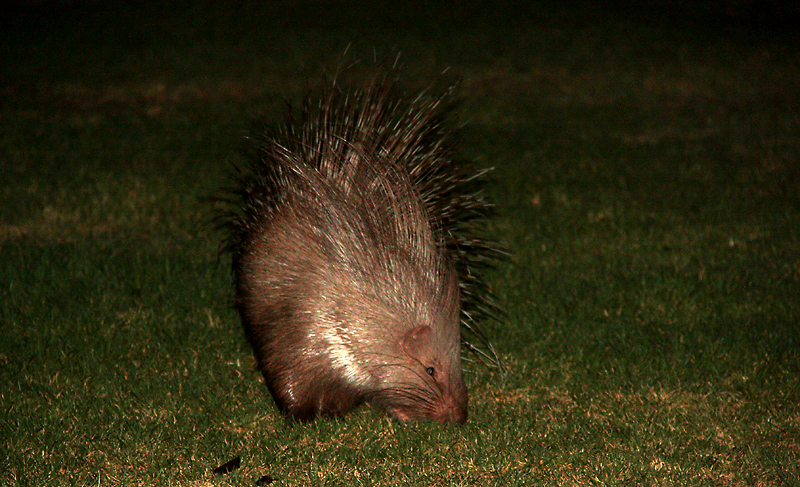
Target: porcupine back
{"points": [[353, 252]]}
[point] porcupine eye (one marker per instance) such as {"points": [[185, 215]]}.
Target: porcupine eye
{"points": [[431, 371]]}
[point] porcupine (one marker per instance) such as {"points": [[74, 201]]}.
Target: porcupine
{"points": [[356, 256]]}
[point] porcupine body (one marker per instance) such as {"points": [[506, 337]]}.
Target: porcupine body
{"points": [[352, 255]]}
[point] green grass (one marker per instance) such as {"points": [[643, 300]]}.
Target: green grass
{"points": [[648, 189]]}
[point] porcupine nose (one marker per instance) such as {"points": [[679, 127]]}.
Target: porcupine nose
{"points": [[452, 411], [453, 415], [458, 415]]}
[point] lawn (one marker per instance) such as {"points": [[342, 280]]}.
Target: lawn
{"points": [[647, 187]]}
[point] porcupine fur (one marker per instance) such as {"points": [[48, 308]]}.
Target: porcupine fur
{"points": [[356, 258]]}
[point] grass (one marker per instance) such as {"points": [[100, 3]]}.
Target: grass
{"points": [[648, 188]]}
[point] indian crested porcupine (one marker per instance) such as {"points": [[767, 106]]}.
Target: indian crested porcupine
{"points": [[356, 256]]}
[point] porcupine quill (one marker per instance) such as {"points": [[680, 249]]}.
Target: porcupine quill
{"points": [[357, 256]]}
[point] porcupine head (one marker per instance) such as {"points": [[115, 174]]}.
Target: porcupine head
{"points": [[347, 295]]}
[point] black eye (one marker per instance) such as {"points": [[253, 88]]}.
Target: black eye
{"points": [[431, 371]]}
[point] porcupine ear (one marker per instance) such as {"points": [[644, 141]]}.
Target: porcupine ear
{"points": [[414, 339]]}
